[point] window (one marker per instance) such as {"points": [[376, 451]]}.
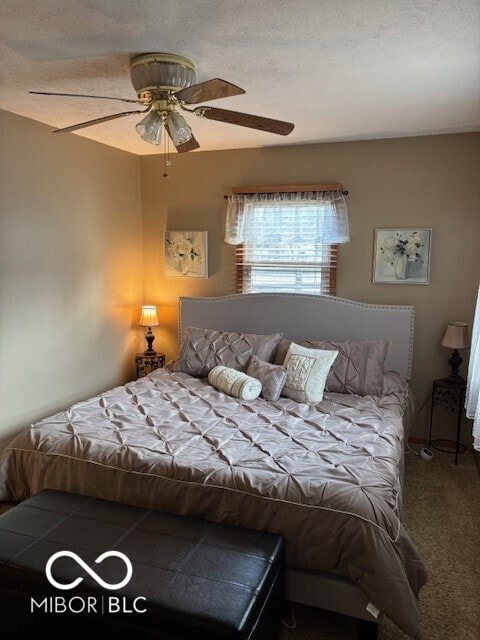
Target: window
{"points": [[287, 241], [284, 253]]}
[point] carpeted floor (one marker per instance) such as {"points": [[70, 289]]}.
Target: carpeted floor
{"points": [[442, 516]]}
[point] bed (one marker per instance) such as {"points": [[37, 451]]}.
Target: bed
{"points": [[326, 475]]}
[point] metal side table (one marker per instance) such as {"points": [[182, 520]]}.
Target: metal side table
{"points": [[450, 395]]}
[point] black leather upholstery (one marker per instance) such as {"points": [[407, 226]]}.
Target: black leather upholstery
{"points": [[196, 579]]}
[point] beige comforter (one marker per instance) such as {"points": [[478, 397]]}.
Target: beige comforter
{"points": [[326, 477]]}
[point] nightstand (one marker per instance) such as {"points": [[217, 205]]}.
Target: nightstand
{"points": [[147, 364], [451, 396]]}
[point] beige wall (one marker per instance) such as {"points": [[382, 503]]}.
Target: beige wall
{"points": [[71, 248], [70, 269], [426, 182]]}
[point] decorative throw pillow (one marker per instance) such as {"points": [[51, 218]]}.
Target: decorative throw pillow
{"points": [[203, 349], [272, 377], [358, 368], [307, 371], [235, 383]]}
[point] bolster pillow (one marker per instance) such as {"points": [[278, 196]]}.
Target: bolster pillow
{"points": [[235, 383]]}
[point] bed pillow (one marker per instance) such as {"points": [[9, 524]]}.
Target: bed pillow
{"points": [[272, 377], [235, 383], [307, 371], [358, 368], [203, 349]]}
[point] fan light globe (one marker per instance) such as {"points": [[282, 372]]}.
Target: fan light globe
{"points": [[178, 128], [150, 128]]}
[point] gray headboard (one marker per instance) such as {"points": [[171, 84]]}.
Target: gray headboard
{"points": [[300, 316]]}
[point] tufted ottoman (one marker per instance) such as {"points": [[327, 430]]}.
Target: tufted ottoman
{"points": [[77, 567]]}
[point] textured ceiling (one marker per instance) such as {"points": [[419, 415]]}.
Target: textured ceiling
{"points": [[338, 69]]}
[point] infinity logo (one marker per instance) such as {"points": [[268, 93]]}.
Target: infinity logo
{"points": [[95, 576]]}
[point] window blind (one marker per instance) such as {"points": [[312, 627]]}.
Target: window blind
{"points": [[284, 248]]}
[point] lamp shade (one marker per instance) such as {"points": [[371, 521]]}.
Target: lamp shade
{"points": [[456, 336], [149, 316]]}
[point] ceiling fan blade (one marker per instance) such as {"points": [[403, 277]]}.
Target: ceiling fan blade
{"points": [[89, 123], [245, 120], [209, 90], [82, 95], [186, 146]]}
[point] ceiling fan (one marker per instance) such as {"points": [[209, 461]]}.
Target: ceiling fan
{"points": [[164, 83]]}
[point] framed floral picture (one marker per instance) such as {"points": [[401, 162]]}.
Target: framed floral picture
{"points": [[402, 255], [186, 254]]}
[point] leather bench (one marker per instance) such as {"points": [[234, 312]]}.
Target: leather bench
{"points": [[171, 577]]}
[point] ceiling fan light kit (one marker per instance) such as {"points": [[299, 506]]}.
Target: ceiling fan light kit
{"points": [[150, 128], [164, 82], [178, 128]]}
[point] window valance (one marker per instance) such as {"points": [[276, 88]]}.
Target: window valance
{"points": [[318, 217]]}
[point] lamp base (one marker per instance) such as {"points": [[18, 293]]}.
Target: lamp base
{"points": [[455, 379], [149, 337], [455, 361]]}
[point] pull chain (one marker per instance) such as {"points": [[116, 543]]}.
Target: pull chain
{"points": [[166, 153]]}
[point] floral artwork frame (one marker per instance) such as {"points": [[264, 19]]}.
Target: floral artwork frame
{"points": [[186, 254], [401, 255]]}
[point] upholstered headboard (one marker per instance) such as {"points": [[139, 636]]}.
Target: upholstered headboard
{"points": [[303, 317]]}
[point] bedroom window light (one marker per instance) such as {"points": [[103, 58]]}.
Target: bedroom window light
{"points": [[287, 241]]}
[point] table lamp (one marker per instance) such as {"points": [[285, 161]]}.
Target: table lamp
{"points": [[456, 337], [149, 319]]}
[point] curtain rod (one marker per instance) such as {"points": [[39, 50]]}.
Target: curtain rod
{"points": [[333, 186]]}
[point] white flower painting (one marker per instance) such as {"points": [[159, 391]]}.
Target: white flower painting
{"points": [[186, 254], [402, 256]]}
